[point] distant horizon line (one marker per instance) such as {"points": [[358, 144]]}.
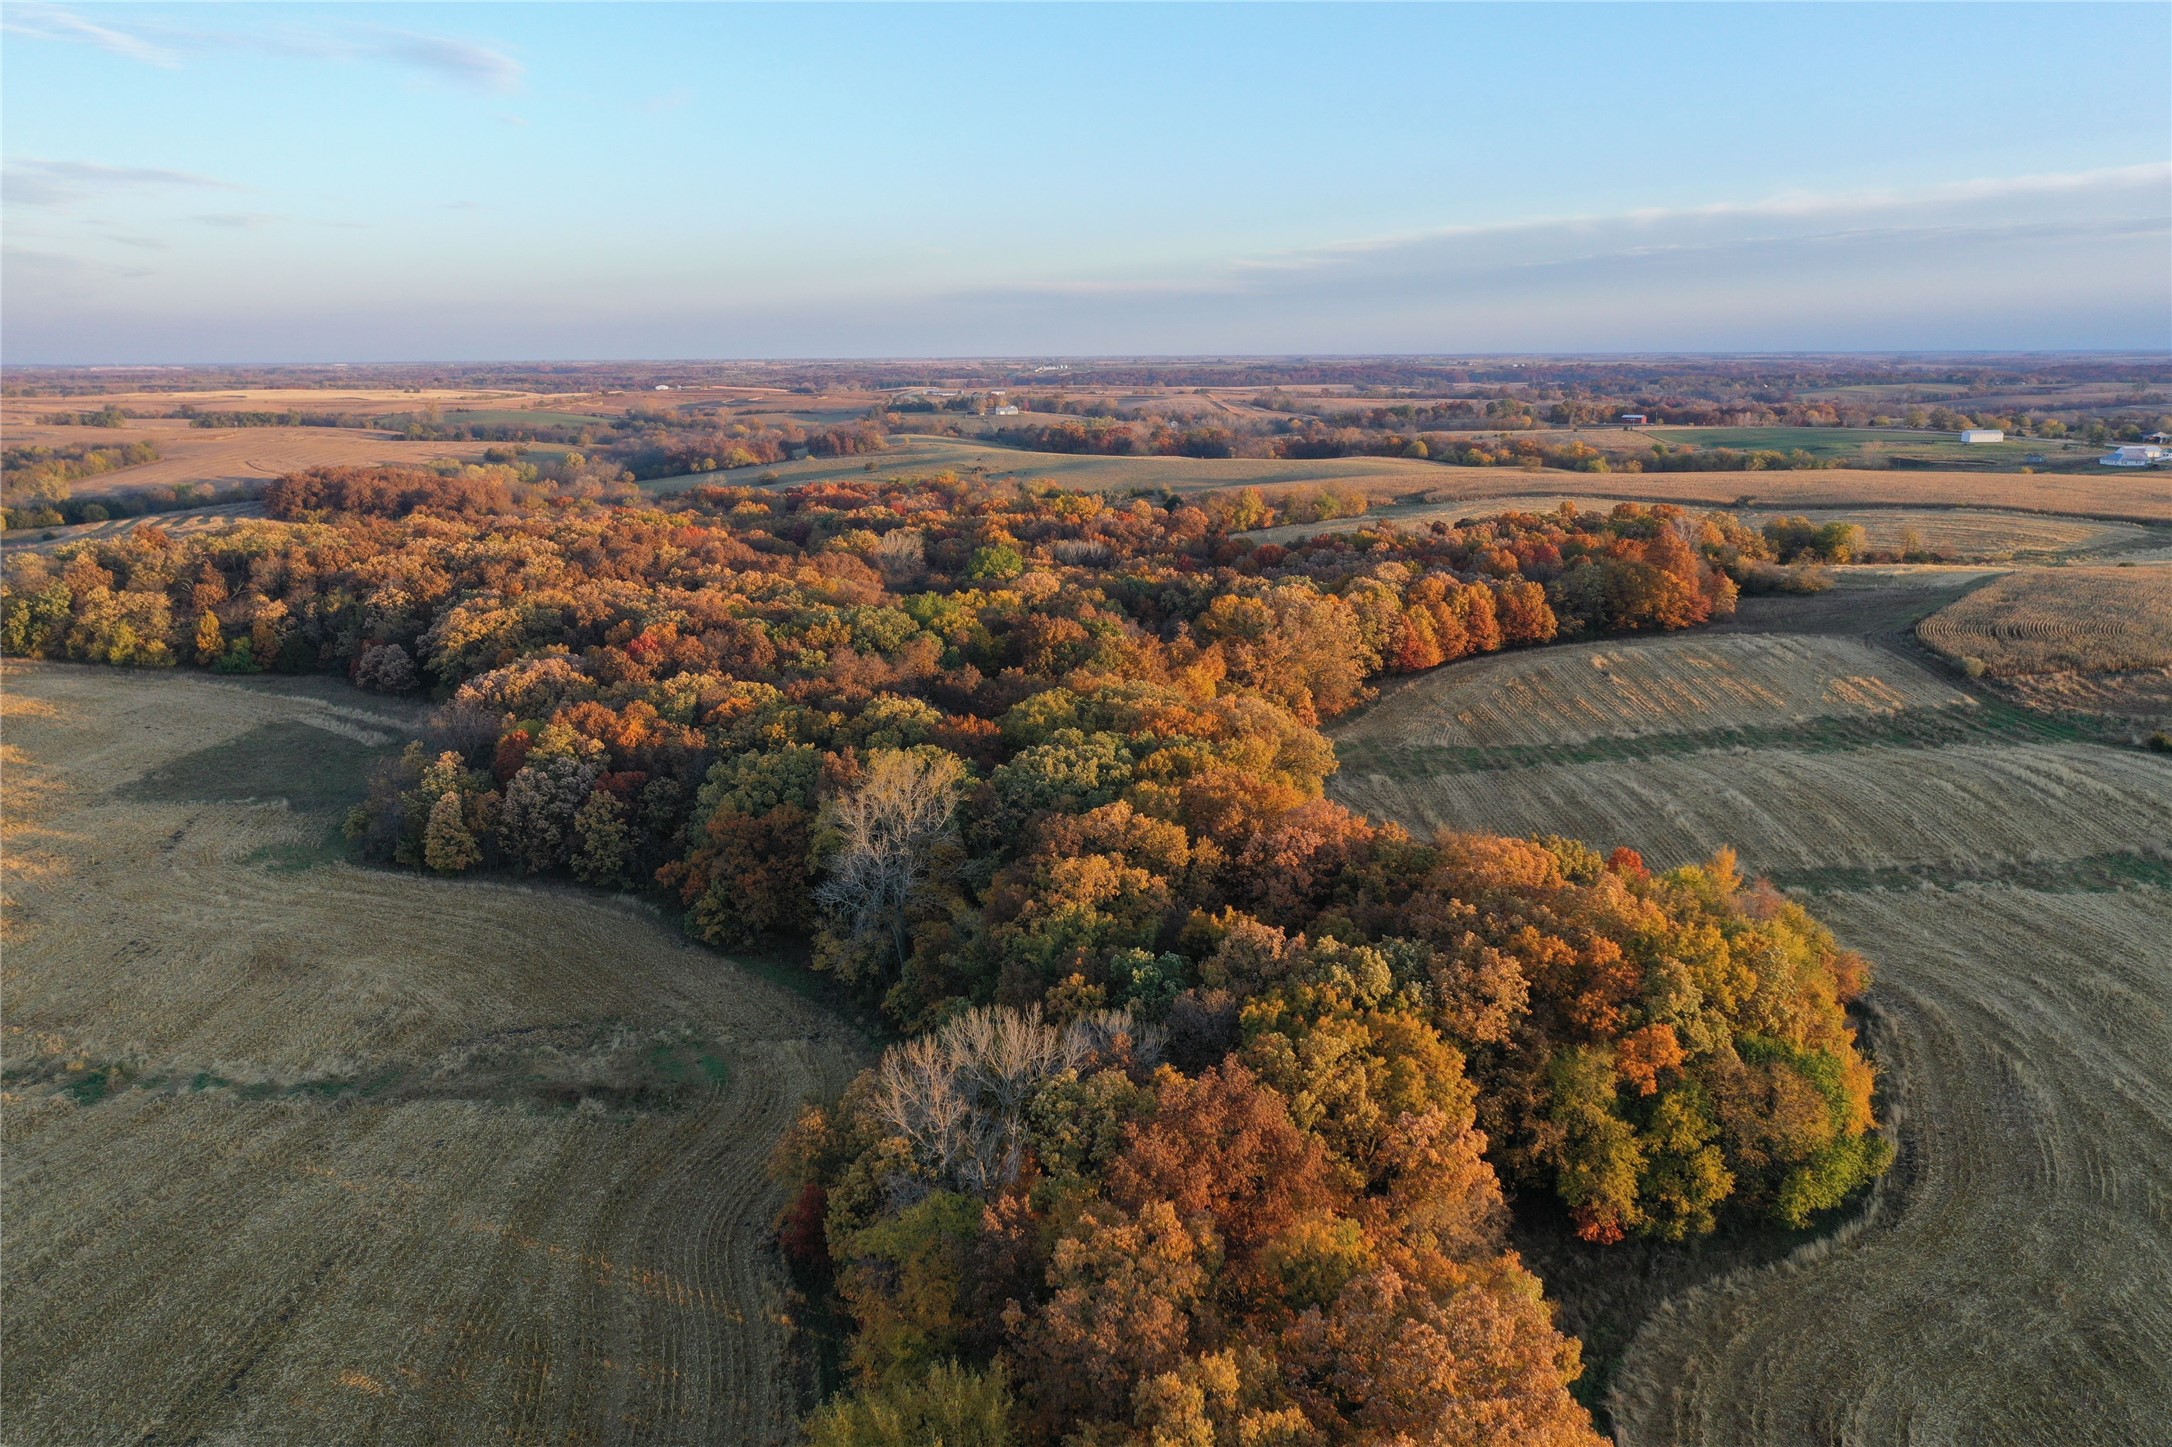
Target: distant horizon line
{"points": [[1092, 357]]}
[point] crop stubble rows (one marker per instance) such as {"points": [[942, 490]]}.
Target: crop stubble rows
{"points": [[2064, 619], [332, 1193], [2010, 1282]]}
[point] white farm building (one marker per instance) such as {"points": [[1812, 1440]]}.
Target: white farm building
{"points": [[2132, 457], [1983, 434]]}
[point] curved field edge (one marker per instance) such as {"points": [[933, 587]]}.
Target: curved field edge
{"points": [[2011, 889], [302, 1152], [2009, 1282]]}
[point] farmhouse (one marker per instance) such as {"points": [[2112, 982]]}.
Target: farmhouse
{"points": [[1633, 419], [2148, 456], [1006, 410], [1983, 434]]}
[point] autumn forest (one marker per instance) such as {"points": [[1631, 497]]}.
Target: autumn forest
{"points": [[1205, 1099]]}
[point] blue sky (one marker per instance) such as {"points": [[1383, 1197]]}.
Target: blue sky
{"points": [[383, 182]]}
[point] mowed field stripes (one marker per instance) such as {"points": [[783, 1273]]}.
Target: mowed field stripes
{"points": [[2011, 881]]}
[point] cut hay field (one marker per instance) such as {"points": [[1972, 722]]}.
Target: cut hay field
{"points": [[299, 1152], [2012, 883], [226, 455]]}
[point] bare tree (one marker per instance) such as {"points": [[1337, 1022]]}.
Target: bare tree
{"points": [[887, 829], [958, 1095]]}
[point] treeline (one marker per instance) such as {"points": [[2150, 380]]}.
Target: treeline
{"points": [[290, 417], [108, 416], [674, 449], [1306, 440], [36, 481], [389, 492], [1211, 1085], [135, 502]]}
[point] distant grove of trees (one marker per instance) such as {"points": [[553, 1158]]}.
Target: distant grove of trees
{"points": [[36, 483], [1210, 1089]]}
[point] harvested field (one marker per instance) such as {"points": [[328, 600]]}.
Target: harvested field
{"points": [[1793, 812], [2144, 695], [299, 1152], [1961, 534], [1683, 684], [923, 455], [2009, 1283], [1457, 489], [1987, 535], [2090, 620], [180, 524], [348, 401], [223, 456], [2012, 886]]}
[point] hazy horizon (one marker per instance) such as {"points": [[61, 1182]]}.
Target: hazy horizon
{"points": [[388, 183]]}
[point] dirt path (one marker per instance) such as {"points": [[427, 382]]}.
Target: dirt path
{"points": [[298, 1152], [2011, 881]]}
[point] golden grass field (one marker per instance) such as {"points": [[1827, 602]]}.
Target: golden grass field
{"points": [[227, 455], [2012, 884], [2092, 620], [299, 1152]]}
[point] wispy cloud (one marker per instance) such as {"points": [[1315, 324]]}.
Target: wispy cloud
{"points": [[238, 220], [1791, 206], [461, 61], [464, 63], [1855, 268], [49, 22], [31, 182]]}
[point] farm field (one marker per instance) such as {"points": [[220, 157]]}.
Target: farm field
{"points": [[1981, 534], [923, 454], [2094, 643], [299, 1152], [180, 523], [2009, 879], [350, 401], [225, 455], [1963, 534], [2009, 1282], [2073, 619], [2117, 498], [1865, 442]]}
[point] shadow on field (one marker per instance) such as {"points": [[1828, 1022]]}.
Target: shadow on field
{"points": [[312, 770]]}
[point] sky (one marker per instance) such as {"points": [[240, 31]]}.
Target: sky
{"points": [[359, 183]]}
